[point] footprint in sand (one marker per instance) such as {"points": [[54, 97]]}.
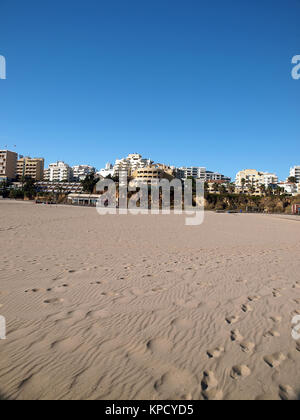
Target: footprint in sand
{"points": [[296, 312], [276, 293], [286, 393], [236, 336], [232, 319], [246, 308], [247, 346], [275, 360], [209, 380], [209, 387], [175, 383], [254, 298], [109, 294], [272, 333], [32, 290], [216, 353], [59, 289], [240, 371], [54, 301], [102, 313], [276, 319], [297, 301], [182, 323], [213, 394], [158, 289], [159, 345]]}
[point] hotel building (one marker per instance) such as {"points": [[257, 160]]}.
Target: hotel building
{"points": [[295, 172], [8, 165], [80, 172], [200, 173], [153, 173], [254, 178], [107, 171], [30, 168], [130, 164], [58, 172]]}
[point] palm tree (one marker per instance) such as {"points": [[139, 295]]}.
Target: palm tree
{"points": [[252, 189], [292, 180], [231, 188], [262, 189], [243, 182], [223, 189], [215, 187], [89, 183]]}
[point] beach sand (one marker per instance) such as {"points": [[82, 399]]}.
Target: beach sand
{"points": [[144, 307]]}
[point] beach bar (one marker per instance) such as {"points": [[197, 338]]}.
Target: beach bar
{"points": [[296, 209], [83, 199]]}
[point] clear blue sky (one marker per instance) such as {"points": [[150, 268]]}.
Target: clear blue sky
{"points": [[186, 82]]}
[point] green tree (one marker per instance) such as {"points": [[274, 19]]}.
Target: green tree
{"points": [[15, 194], [292, 179], [231, 188], [270, 191], [243, 182], [216, 187], [252, 189], [223, 189], [29, 189], [89, 183], [262, 188], [4, 188]]}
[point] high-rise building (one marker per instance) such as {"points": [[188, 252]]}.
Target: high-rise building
{"points": [[152, 173], [201, 173], [130, 164], [80, 172], [30, 168], [59, 171], [8, 165], [191, 171], [254, 178], [295, 172]]}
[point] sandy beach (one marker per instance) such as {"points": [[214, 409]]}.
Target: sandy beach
{"points": [[144, 307]]}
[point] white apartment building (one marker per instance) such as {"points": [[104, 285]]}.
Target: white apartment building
{"points": [[254, 178], [216, 176], [8, 165], [107, 171], [269, 179], [290, 188], [295, 172], [80, 172], [130, 164], [192, 171], [59, 171], [200, 173]]}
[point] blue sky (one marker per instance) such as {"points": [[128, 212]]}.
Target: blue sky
{"points": [[191, 82]]}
